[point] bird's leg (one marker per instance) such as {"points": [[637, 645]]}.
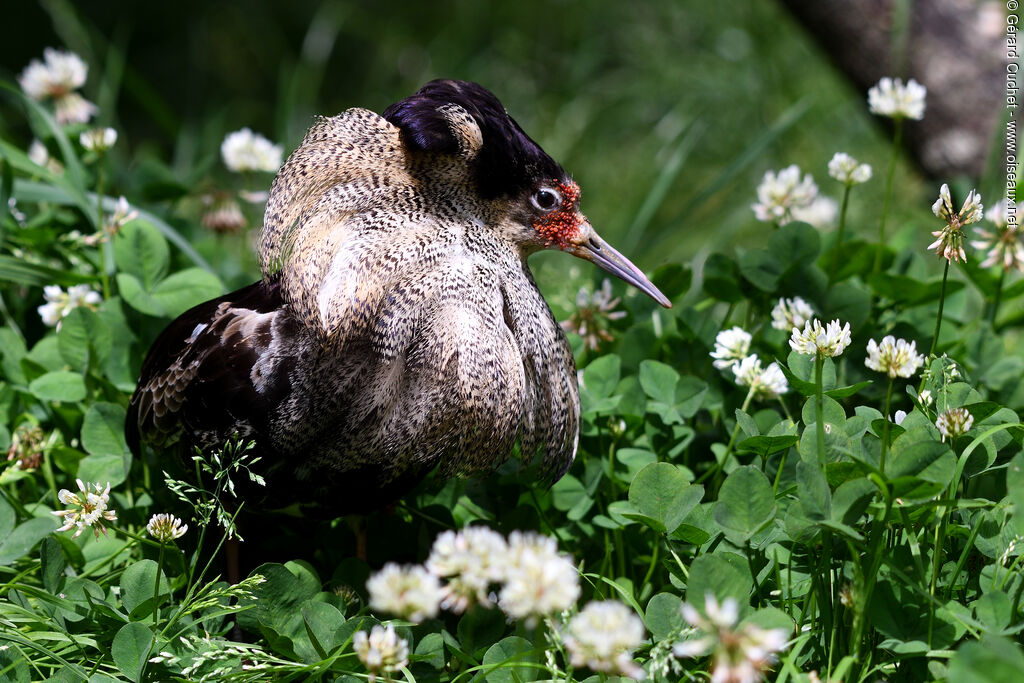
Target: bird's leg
{"points": [[232, 548], [357, 523]]}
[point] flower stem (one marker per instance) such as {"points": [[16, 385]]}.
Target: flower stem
{"points": [[942, 303], [896, 140], [839, 234], [997, 299], [106, 256], [885, 428], [156, 586], [717, 468], [819, 408]]}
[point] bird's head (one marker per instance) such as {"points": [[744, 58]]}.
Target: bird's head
{"points": [[528, 196]]}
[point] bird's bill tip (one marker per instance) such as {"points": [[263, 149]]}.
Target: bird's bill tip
{"points": [[591, 247]]}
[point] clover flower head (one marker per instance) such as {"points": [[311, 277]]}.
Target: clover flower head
{"points": [[123, 215], [603, 636], [740, 653], [970, 212], [895, 357], [925, 398], [98, 140], [57, 77], [592, 314], [73, 108], [731, 345], [780, 192], [950, 242], [37, 153], [27, 445], [848, 170], [890, 97], [40, 156], [821, 213], [88, 507], [997, 214], [829, 341], [245, 150], [61, 73], [955, 422], [223, 215], [166, 528], [381, 651], [538, 580], [1005, 244], [472, 559], [409, 592], [790, 313], [60, 303], [766, 383]]}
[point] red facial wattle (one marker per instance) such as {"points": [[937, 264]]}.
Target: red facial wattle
{"points": [[560, 227]]}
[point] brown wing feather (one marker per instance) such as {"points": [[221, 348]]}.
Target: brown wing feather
{"points": [[214, 371]]}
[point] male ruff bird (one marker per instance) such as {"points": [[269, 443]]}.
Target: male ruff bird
{"points": [[397, 328]]}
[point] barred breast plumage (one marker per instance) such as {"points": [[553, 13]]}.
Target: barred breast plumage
{"points": [[397, 328]]}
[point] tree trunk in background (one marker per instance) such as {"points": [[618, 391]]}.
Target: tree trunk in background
{"points": [[956, 48]]}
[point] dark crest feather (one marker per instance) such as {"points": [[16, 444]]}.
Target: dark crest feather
{"points": [[509, 161]]}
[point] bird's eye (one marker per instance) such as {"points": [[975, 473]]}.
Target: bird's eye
{"points": [[546, 199]]}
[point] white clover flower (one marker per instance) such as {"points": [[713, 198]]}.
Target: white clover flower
{"points": [[57, 79], [829, 341], [603, 636], [538, 580], [779, 192], [897, 101], [949, 244], [73, 108], [740, 654], [409, 592], [970, 212], [224, 214], [382, 651], [244, 150], [472, 559], [1005, 245], [60, 303], [821, 213], [895, 357], [123, 214], [954, 423], [790, 313], [848, 170], [899, 417], [731, 345], [925, 398], [589, 320], [165, 527], [767, 383], [62, 73], [98, 139], [37, 153], [996, 214], [40, 156], [83, 295], [87, 508]]}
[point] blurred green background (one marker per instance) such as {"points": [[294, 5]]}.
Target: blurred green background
{"points": [[667, 113]]}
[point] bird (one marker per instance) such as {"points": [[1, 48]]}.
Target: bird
{"points": [[396, 329]]}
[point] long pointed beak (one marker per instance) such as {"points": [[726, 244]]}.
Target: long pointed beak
{"points": [[591, 247]]}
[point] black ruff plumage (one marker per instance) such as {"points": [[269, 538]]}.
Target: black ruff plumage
{"points": [[397, 328]]}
